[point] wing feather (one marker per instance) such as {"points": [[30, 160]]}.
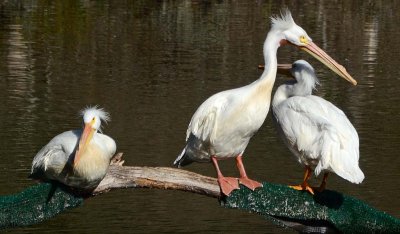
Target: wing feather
{"points": [[52, 158], [321, 131], [50, 161], [204, 122]]}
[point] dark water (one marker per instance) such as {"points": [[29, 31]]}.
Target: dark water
{"points": [[151, 63]]}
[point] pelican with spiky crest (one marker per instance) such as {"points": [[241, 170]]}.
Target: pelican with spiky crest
{"points": [[222, 126], [316, 131], [77, 158]]}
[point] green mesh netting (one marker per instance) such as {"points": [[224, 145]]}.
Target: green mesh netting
{"points": [[35, 204], [326, 211]]}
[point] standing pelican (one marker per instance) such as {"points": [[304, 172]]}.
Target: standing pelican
{"points": [[223, 125], [316, 132], [80, 164]]}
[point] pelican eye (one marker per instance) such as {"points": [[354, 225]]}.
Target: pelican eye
{"points": [[303, 39]]}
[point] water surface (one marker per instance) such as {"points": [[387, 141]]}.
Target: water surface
{"points": [[152, 63]]}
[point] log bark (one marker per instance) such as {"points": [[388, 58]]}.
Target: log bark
{"points": [[120, 176]]}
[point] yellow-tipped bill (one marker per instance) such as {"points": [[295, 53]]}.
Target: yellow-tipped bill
{"points": [[85, 139], [324, 58]]}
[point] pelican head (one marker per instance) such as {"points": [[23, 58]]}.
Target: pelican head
{"points": [[92, 117], [295, 35], [303, 73]]}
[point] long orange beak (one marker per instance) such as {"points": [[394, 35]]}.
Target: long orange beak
{"points": [[324, 58], [86, 136]]}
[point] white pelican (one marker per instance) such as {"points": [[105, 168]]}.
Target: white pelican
{"points": [[316, 132], [80, 164], [223, 125]]}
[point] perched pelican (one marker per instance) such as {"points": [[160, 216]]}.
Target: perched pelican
{"points": [[316, 132], [223, 125], [81, 165]]}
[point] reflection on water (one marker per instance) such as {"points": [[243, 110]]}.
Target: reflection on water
{"points": [[150, 64], [371, 30]]}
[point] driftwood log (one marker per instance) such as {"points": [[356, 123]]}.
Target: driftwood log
{"points": [[120, 176]]}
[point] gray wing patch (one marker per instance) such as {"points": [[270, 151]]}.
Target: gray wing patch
{"points": [[51, 162]]}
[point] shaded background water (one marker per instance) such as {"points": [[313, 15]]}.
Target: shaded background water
{"points": [[152, 63]]}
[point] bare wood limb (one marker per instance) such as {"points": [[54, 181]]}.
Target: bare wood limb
{"points": [[120, 176]]}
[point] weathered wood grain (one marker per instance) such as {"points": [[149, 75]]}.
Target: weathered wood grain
{"points": [[120, 176]]}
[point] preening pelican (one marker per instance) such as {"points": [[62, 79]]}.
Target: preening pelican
{"points": [[77, 158], [223, 125], [316, 132]]}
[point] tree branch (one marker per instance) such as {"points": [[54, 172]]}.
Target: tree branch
{"points": [[120, 176]]}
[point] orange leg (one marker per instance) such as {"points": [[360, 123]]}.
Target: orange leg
{"points": [[323, 184], [305, 185], [251, 184], [227, 184]]}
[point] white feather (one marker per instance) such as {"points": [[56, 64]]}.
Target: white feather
{"points": [[96, 113], [283, 22], [316, 131], [54, 160]]}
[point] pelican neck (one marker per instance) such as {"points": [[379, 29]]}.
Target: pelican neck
{"points": [[270, 49]]}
